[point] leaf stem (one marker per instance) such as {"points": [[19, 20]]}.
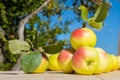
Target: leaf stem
{"points": [[31, 44]]}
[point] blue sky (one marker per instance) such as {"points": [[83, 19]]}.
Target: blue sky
{"points": [[107, 38]]}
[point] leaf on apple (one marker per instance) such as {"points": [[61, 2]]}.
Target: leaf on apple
{"points": [[53, 48], [84, 13], [94, 24], [31, 61], [101, 12], [17, 46]]}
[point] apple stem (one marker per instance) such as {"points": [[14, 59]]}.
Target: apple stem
{"points": [[83, 24]]}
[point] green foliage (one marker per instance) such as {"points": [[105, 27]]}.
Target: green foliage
{"points": [[101, 12], [10, 60], [97, 25], [55, 48], [84, 13], [30, 61], [13, 11], [17, 46], [2, 34]]}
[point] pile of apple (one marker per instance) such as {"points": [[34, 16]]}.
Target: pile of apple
{"points": [[84, 57]]}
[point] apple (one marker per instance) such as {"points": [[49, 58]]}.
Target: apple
{"points": [[43, 66], [115, 64], [110, 62], [85, 60], [119, 62], [83, 37], [53, 64], [103, 61], [47, 54], [64, 60]]}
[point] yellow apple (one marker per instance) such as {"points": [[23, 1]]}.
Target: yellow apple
{"points": [[119, 62], [48, 55], [103, 61], [115, 63], [110, 63], [53, 64]]}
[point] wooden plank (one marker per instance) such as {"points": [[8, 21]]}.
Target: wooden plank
{"points": [[48, 75], [115, 75], [54, 75]]}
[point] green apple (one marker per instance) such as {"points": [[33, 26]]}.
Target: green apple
{"points": [[53, 64], [115, 63], [43, 66], [110, 62], [83, 37], [85, 60], [103, 61], [64, 60]]}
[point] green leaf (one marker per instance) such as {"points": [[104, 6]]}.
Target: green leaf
{"points": [[101, 12], [5, 19], [94, 24], [17, 46], [2, 6], [31, 61], [2, 34], [54, 48], [84, 13]]}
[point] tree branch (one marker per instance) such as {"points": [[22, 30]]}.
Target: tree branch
{"points": [[27, 18], [21, 27]]}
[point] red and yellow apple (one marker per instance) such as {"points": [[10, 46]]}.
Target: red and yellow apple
{"points": [[53, 64], [103, 61], [85, 60], [64, 60], [83, 37], [43, 65]]}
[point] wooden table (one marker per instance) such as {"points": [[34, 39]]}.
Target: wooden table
{"points": [[54, 75]]}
